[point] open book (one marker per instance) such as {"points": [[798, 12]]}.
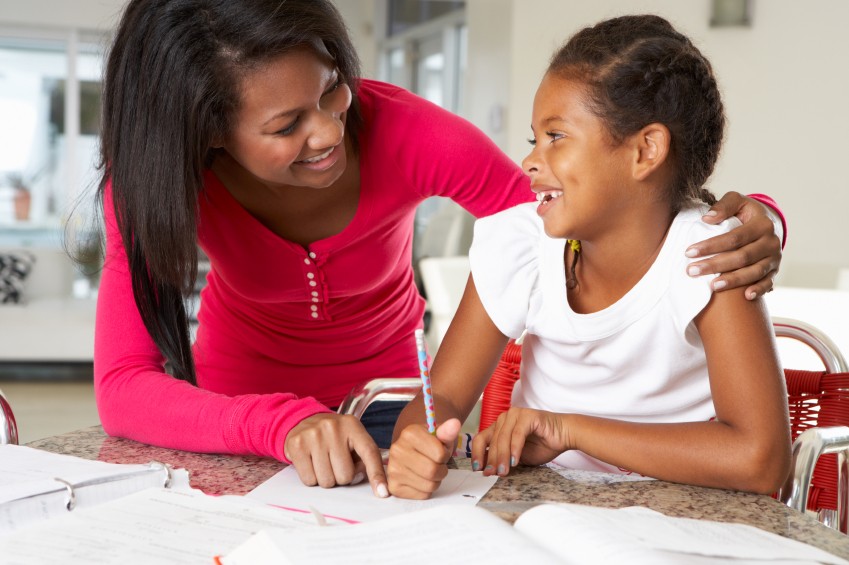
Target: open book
{"points": [[554, 533], [36, 485]]}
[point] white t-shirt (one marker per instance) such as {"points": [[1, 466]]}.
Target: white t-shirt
{"points": [[640, 359]]}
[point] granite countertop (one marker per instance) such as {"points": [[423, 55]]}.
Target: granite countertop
{"points": [[524, 488]]}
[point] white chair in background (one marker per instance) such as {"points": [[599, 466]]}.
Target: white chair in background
{"points": [[444, 280]]}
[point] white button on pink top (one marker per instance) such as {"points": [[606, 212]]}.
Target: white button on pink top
{"points": [[315, 297]]}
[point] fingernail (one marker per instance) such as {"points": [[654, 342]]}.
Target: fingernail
{"points": [[488, 468], [710, 213], [719, 284], [358, 478], [382, 491], [692, 253], [476, 465], [500, 470], [694, 270], [512, 461], [751, 295]]}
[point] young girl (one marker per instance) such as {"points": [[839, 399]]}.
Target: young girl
{"points": [[629, 365]]}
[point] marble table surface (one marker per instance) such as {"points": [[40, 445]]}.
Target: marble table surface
{"points": [[524, 488]]}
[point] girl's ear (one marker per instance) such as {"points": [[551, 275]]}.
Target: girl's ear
{"points": [[651, 145]]}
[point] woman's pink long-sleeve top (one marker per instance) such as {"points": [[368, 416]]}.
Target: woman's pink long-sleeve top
{"points": [[286, 331]]}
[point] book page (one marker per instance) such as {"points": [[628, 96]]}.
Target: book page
{"points": [[154, 526], [641, 535], [357, 503], [447, 535]]}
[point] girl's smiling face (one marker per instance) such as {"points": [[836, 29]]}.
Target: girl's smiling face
{"points": [[576, 169], [290, 126]]}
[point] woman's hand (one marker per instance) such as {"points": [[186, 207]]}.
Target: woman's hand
{"points": [[747, 255], [418, 460], [330, 450], [520, 435]]}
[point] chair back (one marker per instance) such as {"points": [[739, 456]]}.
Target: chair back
{"points": [[361, 397], [499, 389], [818, 403]]}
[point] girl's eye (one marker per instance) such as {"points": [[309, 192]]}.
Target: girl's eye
{"points": [[554, 136], [532, 141], [288, 129]]}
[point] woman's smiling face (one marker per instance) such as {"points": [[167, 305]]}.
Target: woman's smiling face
{"points": [[290, 127]]}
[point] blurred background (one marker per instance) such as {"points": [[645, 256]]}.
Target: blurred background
{"points": [[779, 64]]}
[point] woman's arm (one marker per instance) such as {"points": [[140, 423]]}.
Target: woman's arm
{"points": [[137, 399], [467, 357], [748, 255], [747, 446]]}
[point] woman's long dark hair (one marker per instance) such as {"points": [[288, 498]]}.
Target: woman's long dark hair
{"points": [[639, 70], [171, 88]]}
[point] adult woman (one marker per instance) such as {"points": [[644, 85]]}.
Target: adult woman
{"points": [[225, 126]]}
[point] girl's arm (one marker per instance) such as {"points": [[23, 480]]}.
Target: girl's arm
{"points": [[747, 446], [467, 357]]}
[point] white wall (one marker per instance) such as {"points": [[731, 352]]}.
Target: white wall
{"points": [[786, 87], [82, 14], [784, 79], [360, 17]]}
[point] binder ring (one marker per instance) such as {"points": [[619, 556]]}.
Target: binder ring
{"points": [[167, 468], [71, 502]]}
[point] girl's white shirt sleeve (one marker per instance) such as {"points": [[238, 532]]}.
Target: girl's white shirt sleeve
{"points": [[504, 260]]}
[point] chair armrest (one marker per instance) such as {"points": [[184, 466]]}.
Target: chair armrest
{"points": [[8, 426], [807, 449], [361, 397]]}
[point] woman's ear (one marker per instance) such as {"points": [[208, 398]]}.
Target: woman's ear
{"points": [[651, 145]]}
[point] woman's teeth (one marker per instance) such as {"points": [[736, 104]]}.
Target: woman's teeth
{"points": [[318, 158], [547, 196]]}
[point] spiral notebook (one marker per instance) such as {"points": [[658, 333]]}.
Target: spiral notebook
{"points": [[36, 485]]}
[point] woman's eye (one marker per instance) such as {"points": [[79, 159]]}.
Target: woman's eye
{"points": [[334, 86], [288, 129], [532, 141]]}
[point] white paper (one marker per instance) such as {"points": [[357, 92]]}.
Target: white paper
{"points": [[154, 526], [595, 477], [357, 503], [642, 535], [447, 535]]}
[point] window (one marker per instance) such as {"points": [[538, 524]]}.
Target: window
{"points": [[424, 51], [50, 108]]}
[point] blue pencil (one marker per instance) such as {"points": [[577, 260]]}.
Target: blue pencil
{"points": [[425, 375]]}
